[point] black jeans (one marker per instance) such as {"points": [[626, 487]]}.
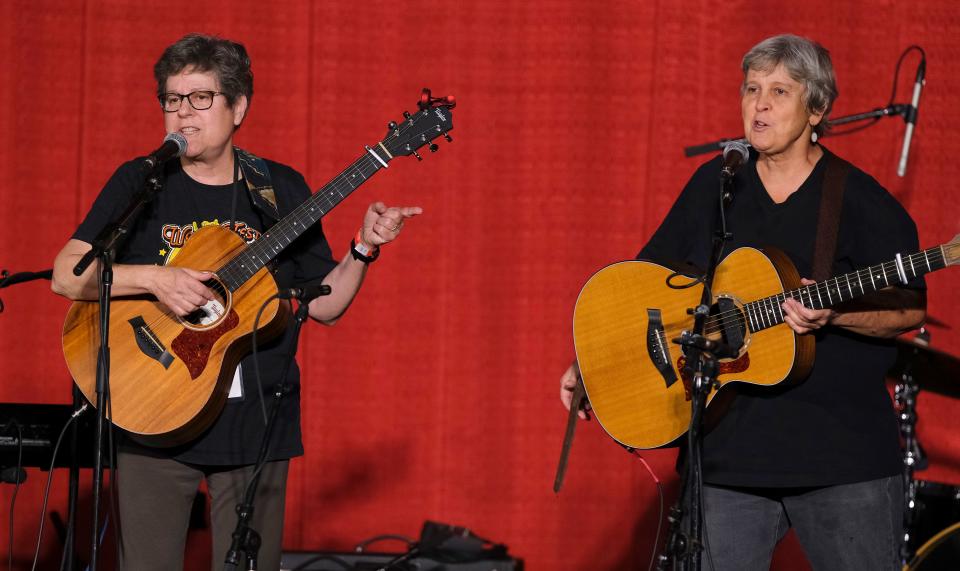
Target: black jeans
{"points": [[844, 527]]}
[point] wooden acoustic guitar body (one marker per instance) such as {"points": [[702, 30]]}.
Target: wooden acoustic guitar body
{"points": [[170, 376], [627, 317]]}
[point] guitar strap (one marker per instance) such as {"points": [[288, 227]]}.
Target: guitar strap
{"points": [[257, 176], [576, 405], [828, 223]]}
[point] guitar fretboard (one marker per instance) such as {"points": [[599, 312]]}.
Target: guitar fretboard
{"points": [[768, 312], [256, 255]]}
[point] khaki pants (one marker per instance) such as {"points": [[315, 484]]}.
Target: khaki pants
{"points": [[156, 495]]}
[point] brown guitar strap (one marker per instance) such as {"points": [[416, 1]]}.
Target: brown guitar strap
{"points": [[579, 396], [828, 224]]}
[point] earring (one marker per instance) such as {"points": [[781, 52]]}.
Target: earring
{"points": [[814, 137]]}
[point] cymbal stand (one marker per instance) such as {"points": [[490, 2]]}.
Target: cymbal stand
{"points": [[905, 401]]}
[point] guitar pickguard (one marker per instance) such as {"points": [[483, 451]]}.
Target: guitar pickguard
{"points": [[193, 346]]}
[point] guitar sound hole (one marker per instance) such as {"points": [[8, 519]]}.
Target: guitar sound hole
{"points": [[213, 312]]}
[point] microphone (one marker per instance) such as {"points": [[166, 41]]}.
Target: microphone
{"points": [[735, 153], [910, 116], [305, 293], [173, 146], [7, 279]]}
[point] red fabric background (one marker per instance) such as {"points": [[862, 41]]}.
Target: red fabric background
{"points": [[436, 397]]}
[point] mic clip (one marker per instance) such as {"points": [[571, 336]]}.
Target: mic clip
{"points": [[304, 294]]}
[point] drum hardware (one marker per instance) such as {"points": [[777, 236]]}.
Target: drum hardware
{"points": [[932, 370], [937, 529], [929, 506], [905, 400]]}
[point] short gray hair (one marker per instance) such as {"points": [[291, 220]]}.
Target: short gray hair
{"points": [[807, 62]]}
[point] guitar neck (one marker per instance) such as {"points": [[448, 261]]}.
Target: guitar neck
{"points": [[256, 255], [768, 312]]}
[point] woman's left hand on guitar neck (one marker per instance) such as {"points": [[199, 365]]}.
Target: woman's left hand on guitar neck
{"points": [[802, 319], [884, 313]]}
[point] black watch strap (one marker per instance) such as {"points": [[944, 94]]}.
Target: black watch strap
{"points": [[365, 258]]}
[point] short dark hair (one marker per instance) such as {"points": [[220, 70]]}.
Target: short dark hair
{"points": [[226, 58]]}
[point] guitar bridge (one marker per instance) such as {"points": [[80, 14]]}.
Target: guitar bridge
{"points": [[148, 342], [657, 347]]}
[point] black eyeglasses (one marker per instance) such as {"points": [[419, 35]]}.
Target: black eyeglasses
{"points": [[199, 100]]}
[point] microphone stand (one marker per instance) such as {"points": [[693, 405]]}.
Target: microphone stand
{"points": [[684, 547], [68, 558], [246, 540], [894, 110], [104, 248], [7, 279]]}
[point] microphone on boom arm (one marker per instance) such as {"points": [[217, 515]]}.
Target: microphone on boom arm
{"points": [[735, 153]]}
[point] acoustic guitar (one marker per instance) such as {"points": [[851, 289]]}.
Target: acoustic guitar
{"points": [[170, 375], [627, 317]]}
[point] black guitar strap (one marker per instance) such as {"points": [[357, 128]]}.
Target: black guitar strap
{"points": [[828, 223]]}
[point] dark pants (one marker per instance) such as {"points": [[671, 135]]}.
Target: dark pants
{"points": [[156, 495], [844, 527]]}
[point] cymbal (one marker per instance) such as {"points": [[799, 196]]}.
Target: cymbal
{"points": [[932, 369]]}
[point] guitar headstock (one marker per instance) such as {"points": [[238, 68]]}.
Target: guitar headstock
{"points": [[433, 119], [951, 251]]}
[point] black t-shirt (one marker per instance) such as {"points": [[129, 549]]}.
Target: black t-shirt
{"points": [[182, 207], [837, 425]]}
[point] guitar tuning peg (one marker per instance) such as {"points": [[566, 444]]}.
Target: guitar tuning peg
{"points": [[433, 147], [406, 115], [448, 137], [392, 125], [416, 154], [425, 98]]}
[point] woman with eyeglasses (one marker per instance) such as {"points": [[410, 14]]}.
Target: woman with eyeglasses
{"points": [[205, 87]]}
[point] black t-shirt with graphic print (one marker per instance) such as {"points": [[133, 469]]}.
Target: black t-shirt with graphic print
{"points": [[182, 207], [838, 425]]}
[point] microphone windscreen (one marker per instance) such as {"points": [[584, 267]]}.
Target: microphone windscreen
{"points": [[736, 147], [179, 139]]}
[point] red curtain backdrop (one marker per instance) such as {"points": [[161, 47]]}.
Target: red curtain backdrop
{"points": [[436, 396]]}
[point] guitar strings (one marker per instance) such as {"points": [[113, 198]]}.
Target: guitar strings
{"points": [[340, 184], [231, 274], [715, 323], [241, 267], [229, 271]]}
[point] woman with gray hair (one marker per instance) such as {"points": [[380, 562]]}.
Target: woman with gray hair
{"points": [[804, 62], [819, 455]]}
